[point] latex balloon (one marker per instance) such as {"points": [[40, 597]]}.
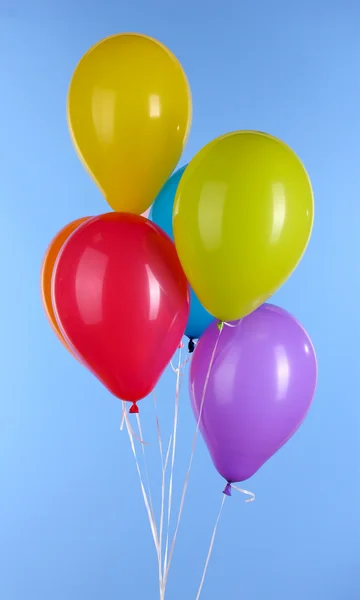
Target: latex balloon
{"points": [[162, 210], [161, 214], [199, 318], [259, 389], [242, 219], [129, 115], [47, 271], [121, 300]]}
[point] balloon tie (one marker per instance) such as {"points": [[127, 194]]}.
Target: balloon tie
{"points": [[220, 325], [227, 489], [134, 409], [191, 345]]}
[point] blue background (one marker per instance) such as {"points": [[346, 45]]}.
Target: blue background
{"points": [[72, 521]]}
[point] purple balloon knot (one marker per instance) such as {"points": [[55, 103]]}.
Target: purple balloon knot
{"points": [[227, 490]]}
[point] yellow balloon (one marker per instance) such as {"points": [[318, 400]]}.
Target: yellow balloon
{"points": [[129, 114], [242, 219]]}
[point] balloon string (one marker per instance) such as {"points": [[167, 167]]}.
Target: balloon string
{"points": [[157, 537], [152, 521], [183, 365], [220, 327], [251, 495], [122, 422], [161, 578], [145, 466], [210, 548], [251, 498], [173, 453], [164, 465], [163, 508], [162, 589]]}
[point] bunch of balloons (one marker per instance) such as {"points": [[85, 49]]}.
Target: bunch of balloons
{"points": [[224, 233]]}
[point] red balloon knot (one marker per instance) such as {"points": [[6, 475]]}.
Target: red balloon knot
{"points": [[134, 409], [181, 345]]}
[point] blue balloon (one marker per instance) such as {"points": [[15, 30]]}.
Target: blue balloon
{"points": [[161, 214], [162, 209]]}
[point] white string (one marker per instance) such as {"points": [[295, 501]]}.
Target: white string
{"points": [[210, 548], [123, 412], [251, 495], [162, 588], [146, 467], [161, 577], [251, 498], [123, 415], [220, 326], [232, 325], [176, 413], [157, 537], [172, 444], [152, 521], [162, 510]]}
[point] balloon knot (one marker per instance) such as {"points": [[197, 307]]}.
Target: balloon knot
{"points": [[181, 345], [191, 346], [220, 325], [134, 409], [227, 490]]}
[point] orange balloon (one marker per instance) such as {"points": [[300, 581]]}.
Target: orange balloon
{"points": [[47, 271]]}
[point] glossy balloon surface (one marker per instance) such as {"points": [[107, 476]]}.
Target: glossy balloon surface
{"points": [[260, 387], [242, 219], [121, 300], [129, 115]]}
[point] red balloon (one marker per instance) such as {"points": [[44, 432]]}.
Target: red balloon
{"points": [[122, 301]]}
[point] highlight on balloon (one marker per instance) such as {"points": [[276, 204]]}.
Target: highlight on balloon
{"points": [[192, 252]]}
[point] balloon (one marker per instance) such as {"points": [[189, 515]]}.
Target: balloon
{"points": [[47, 271], [162, 209], [260, 387], [129, 114], [242, 219], [121, 300], [199, 318], [161, 214]]}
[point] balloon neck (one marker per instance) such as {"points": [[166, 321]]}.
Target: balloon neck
{"points": [[191, 345], [134, 409], [220, 325], [227, 489]]}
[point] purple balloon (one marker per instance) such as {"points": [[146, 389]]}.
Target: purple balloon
{"points": [[258, 392]]}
